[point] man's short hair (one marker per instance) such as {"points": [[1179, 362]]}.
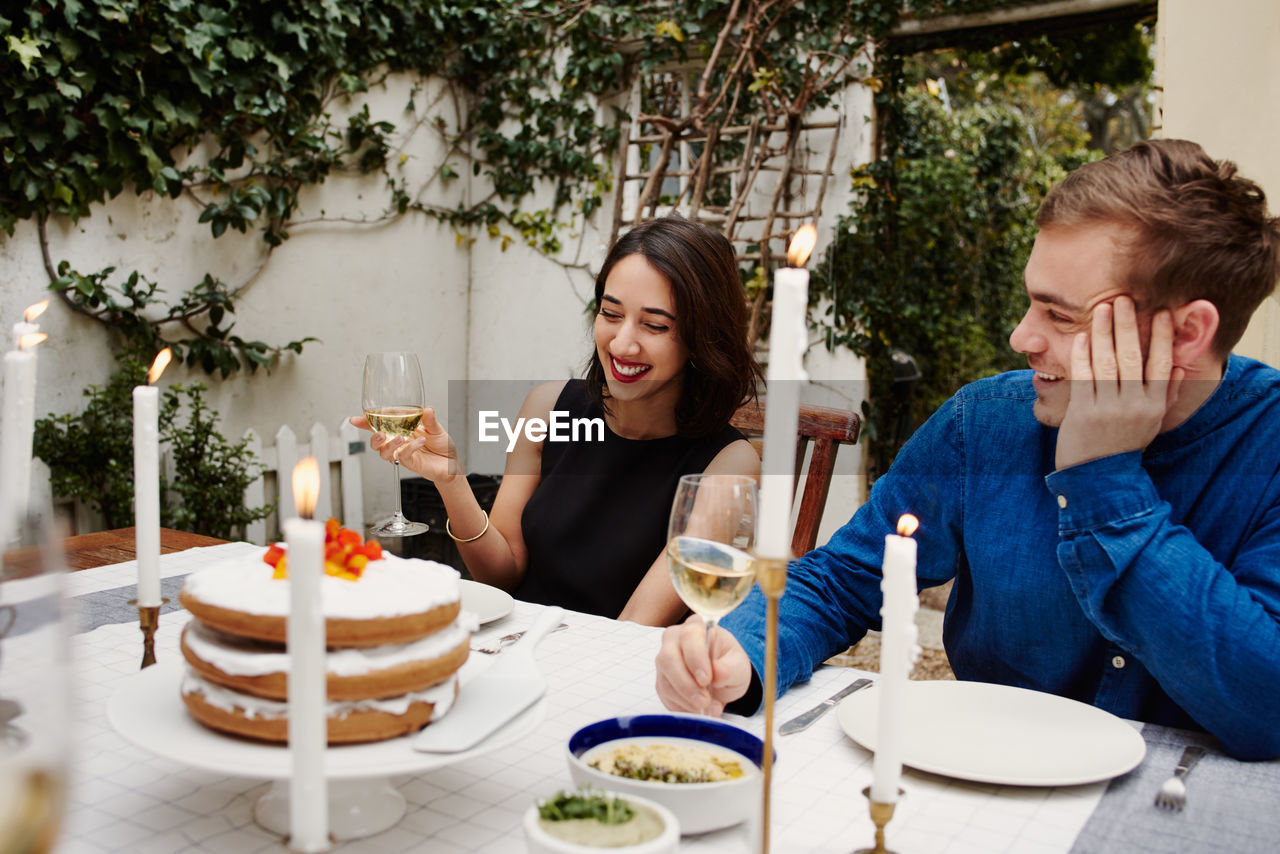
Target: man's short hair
{"points": [[1196, 228]]}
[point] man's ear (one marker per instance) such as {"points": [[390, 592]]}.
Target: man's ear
{"points": [[1194, 327]]}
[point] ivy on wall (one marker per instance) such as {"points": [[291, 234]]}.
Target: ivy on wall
{"points": [[233, 105]]}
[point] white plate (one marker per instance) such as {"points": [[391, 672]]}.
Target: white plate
{"points": [[999, 734], [486, 602], [147, 710]]}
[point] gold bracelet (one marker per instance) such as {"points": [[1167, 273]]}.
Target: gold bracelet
{"points": [[457, 539]]}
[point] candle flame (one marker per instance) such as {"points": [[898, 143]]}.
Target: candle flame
{"points": [[158, 366], [907, 524], [28, 341], [306, 486], [35, 310], [801, 245]]}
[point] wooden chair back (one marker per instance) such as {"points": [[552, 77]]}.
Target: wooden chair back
{"points": [[826, 428]]}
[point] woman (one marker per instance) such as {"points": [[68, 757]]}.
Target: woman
{"points": [[582, 524]]}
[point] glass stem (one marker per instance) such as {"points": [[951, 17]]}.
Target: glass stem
{"points": [[399, 514], [710, 623]]}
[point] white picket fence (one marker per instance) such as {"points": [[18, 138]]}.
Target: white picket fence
{"points": [[340, 454]]}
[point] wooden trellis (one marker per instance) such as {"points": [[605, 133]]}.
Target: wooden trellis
{"points": [[730, 143], [757, 222]]}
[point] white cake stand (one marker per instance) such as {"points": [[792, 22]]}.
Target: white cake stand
{"points": [[147, 709]]}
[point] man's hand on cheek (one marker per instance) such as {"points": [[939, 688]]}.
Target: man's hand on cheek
{"points": [[1118, 398]]}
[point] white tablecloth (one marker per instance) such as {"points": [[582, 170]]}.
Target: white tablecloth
{"points": [[124, 799]]}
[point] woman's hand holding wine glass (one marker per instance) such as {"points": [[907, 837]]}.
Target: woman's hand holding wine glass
{"points": [[429, 451], [709, 541]]}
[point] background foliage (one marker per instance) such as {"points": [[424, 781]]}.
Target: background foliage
{"points": [[90, 457], [928, 262], [242, 105], [933, 266]]}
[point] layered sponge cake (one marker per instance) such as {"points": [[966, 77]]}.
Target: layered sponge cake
{"points": [[394, 628]]}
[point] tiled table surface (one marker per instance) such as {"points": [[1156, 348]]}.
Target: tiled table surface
{"points": [[124, 799]]}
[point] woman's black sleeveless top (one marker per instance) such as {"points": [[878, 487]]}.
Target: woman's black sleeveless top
{"points": [[598, 518]]}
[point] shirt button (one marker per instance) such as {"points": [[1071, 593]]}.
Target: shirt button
{"points": [[1062, 501], [1118, 662]]}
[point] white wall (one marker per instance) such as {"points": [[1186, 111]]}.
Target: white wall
{"points": [[529, 324], [1219, 65]]}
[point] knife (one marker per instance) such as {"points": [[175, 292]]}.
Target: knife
{"points": [[804, 721], [488, 700]]}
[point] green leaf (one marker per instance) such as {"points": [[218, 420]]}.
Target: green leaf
{"points": [[72, 9], [27, 48], [240, 48], [69, 90], [669, 28]]}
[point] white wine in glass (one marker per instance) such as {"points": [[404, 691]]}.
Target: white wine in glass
{"points": [[709, 542], [393, 402]]}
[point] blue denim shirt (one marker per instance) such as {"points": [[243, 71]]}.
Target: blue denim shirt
{"points": [[1146, 583]]}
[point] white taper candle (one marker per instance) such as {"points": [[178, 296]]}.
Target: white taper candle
{"points": [[15, 444], [28, 326], [146, 483], [146, 492], [788, 333], [308, 789], [23, 328], [898, 635]]}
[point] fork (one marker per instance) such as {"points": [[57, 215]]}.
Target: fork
{"points": [[1173, 793], [497, 645]]}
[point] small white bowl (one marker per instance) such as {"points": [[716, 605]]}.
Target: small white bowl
{"points": [[541, 842], [699, 807]]}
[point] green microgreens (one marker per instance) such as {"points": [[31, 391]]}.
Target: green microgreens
{"points": [[586, 803]]}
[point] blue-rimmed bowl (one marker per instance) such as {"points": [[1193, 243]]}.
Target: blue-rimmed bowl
{"points": [[699, 807]]}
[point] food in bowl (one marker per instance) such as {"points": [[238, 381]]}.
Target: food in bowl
{"points": [[590, 819], [675, 760], [699, 806]]}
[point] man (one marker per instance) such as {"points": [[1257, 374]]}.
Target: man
{"points": [[1111, 517]]}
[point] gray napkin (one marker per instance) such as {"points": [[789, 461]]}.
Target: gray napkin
{"points": [[107, 607], [87, 612], [1231, 806]]}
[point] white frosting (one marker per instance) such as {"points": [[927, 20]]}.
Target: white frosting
{"points": [[240, 657], [440, 695], [390, 587]]}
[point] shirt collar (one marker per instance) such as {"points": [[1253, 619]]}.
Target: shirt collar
{"points": [[1211, 414]]}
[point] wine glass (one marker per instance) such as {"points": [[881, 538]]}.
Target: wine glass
{"points": [[393, 401], [35, 695], [709, 541]]}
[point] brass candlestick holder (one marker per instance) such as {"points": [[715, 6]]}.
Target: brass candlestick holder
{"points": [[881, 815], [148, 622], [771, 574]]}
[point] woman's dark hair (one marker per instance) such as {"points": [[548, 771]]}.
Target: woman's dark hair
{"points": [[711, 319]]}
